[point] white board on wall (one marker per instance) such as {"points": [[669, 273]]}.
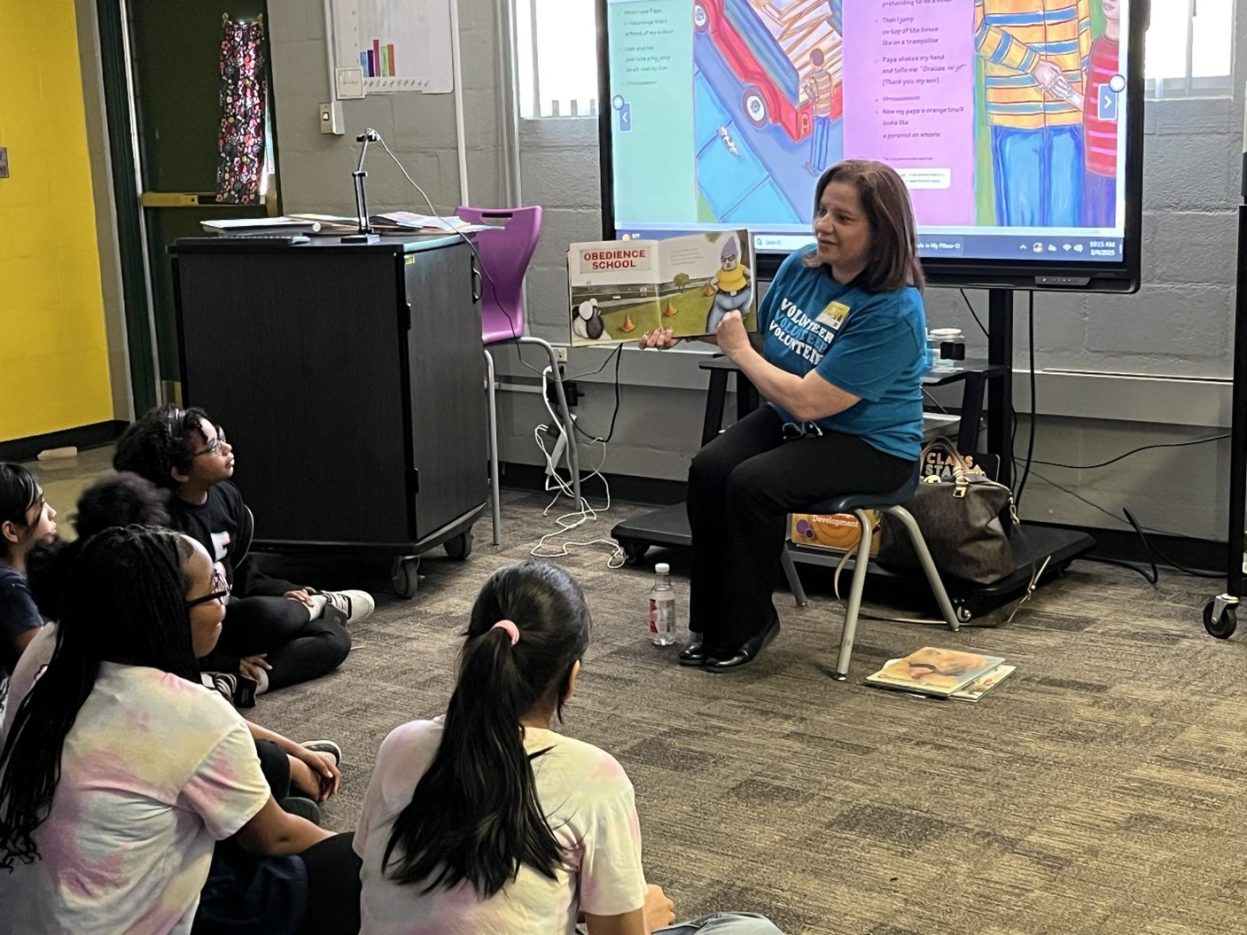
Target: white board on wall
{"points": [[388, 46]]}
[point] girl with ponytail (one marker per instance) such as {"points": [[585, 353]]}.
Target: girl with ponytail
{"points": [[487, 821]]}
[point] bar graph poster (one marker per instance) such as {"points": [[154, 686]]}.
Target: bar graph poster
{"points": [[397, 45]]}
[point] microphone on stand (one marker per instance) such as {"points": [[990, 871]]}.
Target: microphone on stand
{"points": [[365, 234]]}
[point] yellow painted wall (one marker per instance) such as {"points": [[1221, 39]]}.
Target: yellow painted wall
{"points": [[53, 353]]}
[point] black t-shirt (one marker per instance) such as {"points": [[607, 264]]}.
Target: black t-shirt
{"points": [[18, 614], [222, 524], [216, 524]]}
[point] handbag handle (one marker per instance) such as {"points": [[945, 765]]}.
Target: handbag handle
{"points": [[962, 472], [961, 468]]}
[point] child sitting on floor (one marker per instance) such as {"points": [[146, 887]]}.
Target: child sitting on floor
{"points": [[26, 520], [306, 770], [121, 770], [486, 820], [277, 633]]}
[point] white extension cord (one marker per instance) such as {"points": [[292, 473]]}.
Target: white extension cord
{"points": [[560, 449], [583, 512]]}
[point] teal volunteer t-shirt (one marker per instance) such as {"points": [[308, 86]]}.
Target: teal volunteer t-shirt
{"points": [[870, 344]]}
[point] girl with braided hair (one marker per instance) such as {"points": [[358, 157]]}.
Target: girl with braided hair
{"points": [[121, 771], [121, 499]]}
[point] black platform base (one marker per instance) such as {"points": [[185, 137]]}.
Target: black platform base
{"points": [[668, 527]]}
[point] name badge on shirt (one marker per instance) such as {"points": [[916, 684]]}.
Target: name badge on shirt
{"points": [[833, 315]]}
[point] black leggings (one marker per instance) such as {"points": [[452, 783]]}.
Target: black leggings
{"points": [[297, 648], [313, 893], [741, 486], [275, 765]]}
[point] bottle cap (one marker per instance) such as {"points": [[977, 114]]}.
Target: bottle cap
{"points": [[662, 568]]}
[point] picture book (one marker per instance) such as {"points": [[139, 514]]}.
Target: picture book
{"points": [[983, 684], [620, 289], [934, 671]]}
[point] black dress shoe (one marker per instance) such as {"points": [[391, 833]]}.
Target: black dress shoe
{"points": [[695, 653], [747, 653]]}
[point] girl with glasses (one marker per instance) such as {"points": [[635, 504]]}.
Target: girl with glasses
{"points": [[121, 771], [278, 633], [124, 499]]}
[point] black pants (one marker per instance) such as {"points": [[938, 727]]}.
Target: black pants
{"points": [[313, 893], [275, 765], [298, 649], [741, 486]]}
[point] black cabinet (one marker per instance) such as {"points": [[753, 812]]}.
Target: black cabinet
{"points": [[350, 381]]}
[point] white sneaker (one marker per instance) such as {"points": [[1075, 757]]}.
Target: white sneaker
{"points": [[357, 605]]}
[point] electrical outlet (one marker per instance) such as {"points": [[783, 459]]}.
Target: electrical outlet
{"points": [[560, 353]]}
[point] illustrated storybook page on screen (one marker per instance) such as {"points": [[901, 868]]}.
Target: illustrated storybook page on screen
{"points": [[1006, 119]]}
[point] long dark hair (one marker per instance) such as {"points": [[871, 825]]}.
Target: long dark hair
{"points": [[159, 441], [893, 262], [126, 602], [19, 491], [474, 815]]}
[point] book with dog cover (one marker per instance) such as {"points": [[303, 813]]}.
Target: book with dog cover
{"points": [[934, 671], [620, 289]]}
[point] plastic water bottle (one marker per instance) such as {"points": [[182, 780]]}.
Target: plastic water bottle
{"points": [[933, 350], [662, 607]]}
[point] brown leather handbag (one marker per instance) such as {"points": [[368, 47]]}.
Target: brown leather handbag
{"points": [[966, 518]]}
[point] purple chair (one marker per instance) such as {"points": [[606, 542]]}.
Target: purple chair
{"points": [[505, 250]]}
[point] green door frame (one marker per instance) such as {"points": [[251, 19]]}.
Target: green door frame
{"points": [[117, 73], [115, 67]]}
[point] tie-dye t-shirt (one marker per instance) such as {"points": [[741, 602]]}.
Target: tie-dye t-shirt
{"points": [[30, 666], [154, 771], [589, 803]]}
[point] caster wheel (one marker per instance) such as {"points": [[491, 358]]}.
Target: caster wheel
{"points": [[1222, 627], [634, 552], [404, 576], [964, 615], [459, 547]]}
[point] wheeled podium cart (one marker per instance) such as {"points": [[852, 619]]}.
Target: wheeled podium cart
{"points": [[350, 380]]}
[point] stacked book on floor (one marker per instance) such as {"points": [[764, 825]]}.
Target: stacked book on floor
{"points": [[943, 673]]}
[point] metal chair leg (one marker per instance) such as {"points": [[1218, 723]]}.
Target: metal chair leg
{"points": [[790, 572], [861, 560], [495, 493], [928, 565], [564, 413]]}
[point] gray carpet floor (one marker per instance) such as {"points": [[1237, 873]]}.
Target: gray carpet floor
{"points": [[1099, 790]]}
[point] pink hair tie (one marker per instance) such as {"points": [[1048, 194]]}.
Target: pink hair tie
{"points": [[510, 627]]}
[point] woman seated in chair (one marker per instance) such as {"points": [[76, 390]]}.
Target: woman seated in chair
{"points": [[839, 358]]}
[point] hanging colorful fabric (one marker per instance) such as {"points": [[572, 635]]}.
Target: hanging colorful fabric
{"points": [[244, 96]]}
